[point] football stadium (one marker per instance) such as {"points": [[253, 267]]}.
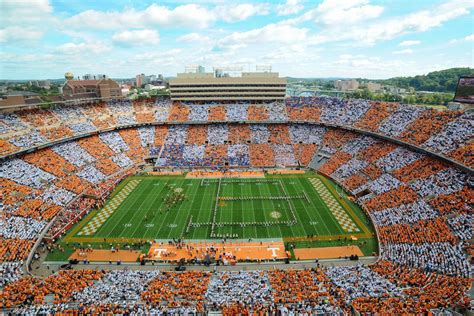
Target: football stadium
{"points": [[232, 194], [257, 184]]}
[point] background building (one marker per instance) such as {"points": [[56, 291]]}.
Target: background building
{"points": [[374, 87], [346, 85], [15, 99], [221, 86], [198, 69], [153, 80], [45, 84], [139, 80], [86, 89], [395, 90]]}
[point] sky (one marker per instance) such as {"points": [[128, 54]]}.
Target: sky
{"points": [[374, 39]]}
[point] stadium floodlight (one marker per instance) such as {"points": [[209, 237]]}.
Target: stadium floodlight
{"points": [[194, 69], [228, 71], [263, 68]]}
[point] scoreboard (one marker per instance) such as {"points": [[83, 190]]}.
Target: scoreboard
{"points": [[465, 90]]}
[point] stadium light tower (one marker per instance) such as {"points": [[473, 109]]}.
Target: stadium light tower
{"points": [[230, 71], [263, 68], [198, 69]]}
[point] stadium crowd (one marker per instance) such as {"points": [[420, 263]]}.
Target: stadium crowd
{"points": [[421, 206], [383, 287], [444, 132], [400, 197]]}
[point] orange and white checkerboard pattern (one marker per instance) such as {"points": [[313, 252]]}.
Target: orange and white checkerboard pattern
{"points": [[105, 213], [336, 209]]}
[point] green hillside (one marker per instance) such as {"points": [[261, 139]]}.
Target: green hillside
{"points": [[436, 81]]}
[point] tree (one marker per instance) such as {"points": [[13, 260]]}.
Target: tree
{"points": [[436, 81], [362, 94]]}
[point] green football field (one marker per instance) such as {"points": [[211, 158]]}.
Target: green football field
{"points": [[289, 207]]}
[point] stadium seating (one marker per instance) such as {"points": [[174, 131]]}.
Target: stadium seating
{"points": [[444, 132], [420, 205], [409, 228]]}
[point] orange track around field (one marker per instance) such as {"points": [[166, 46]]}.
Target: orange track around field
{"points": [[106, 255], [241, 250]]}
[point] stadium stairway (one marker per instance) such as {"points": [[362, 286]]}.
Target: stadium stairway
{"points": [[319, 159]]}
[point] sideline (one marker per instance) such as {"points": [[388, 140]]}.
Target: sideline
{"points": [[241, 266]]}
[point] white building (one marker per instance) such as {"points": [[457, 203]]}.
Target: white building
{"points": [[346, 85]]}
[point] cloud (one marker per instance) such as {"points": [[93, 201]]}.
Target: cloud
{"points": [[288, 53], [83, 48], [468, 38], [403, 52], [137, 38], [342, 12], [21, 12], [152, 55], [187, 15], [192, 37], [420, 21], [25, 58], [356, 60], [160, 58], [375, 67], [24, 20], [313, 33], [240, 12], [369, 66], [15, 34], [409, 43], [289, 7], [386, 29], [271, 33]]}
